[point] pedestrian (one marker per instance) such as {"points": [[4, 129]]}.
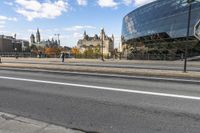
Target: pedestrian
{"points": [[63, 57]]}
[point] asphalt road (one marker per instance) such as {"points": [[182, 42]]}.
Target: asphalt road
{"points": [[102, 104], [158, 66]]}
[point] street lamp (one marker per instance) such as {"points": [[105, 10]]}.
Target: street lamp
{"points": [[102, 50], [16, 53], [102, 39], [188, 33]]}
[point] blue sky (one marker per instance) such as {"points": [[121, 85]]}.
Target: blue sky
{"points": [[69, 18]]}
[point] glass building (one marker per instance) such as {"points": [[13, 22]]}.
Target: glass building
{"points": [[161, 19]]}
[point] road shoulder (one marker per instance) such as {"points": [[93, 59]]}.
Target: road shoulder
{"points": [[10, 123]]}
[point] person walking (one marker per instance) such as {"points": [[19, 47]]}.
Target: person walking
{"points": [[63, 57]]}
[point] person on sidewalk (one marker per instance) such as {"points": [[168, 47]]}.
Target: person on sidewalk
{"points": [[63, 57]]}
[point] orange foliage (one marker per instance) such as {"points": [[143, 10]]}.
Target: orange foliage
{"points": [[50, 51], [75, 51]]}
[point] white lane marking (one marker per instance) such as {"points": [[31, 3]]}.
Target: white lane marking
{"points": [[104, 88], [115, 75]]}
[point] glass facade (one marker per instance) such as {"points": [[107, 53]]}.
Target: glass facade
{"points": [[161, 16]]}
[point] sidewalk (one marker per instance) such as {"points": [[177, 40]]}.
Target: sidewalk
{"points": [[42, 64], [106, 70], [13, 124], [99, 61]]}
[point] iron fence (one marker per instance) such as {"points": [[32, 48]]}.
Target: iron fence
{"points": [[157, 56], [14, 54]]}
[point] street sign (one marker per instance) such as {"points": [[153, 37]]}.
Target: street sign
{"points": [[197, 30]]}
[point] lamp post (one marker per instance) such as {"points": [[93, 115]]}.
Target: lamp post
{"points": [[102, 50], [16, 53], [188, 33], [102, 39]]}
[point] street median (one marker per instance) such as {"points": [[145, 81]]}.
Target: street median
{"points": [[105, 70]]}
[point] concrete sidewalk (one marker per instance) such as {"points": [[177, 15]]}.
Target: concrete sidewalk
{"points": [[105, 70], [54, 65], [99, 61], [14, 124]]}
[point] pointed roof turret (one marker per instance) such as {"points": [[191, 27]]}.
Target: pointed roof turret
{"points": [[38, 39], [38, 31], [85, 33], [113, 38]]}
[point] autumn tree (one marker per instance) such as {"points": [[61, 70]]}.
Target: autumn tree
{"points": [[75, 51], [50, 52]]}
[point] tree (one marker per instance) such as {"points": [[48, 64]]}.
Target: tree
{"points": [[51, 52], [33, 47], [89, 53], [75, 51]]}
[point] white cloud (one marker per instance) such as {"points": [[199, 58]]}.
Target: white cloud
{"points": [[31, 30], [1, 26], [8, 3], [107, 3], [33, 9], [4, 19], [79, 27], [82, 2], [29, 4], [2, 22], [45, 31], [128, 2], [114, 4], [142, 2], [77, 35]]}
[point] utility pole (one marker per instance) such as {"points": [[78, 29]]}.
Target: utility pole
{"points": [[188, 33]]}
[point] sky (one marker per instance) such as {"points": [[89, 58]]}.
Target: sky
{"points": [[69, 18]]}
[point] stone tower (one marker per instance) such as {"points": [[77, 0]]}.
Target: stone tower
{"points": [[38, 36], [113, 38], [85, 35], [102, 34], [32, 39]]}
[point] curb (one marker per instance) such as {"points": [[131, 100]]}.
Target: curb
{"points": [[11, 123], [104, 75], [111, 66]]}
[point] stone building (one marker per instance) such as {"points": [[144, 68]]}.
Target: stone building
{"points": [[36, 40], [38, 36], [96, 42], [11, 44], [6, 44]]}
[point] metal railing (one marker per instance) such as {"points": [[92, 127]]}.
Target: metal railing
{"points": [[14, 54], [157, 56]]}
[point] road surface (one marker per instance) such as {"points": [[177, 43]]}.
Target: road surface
{"points": [[102, 104]]}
